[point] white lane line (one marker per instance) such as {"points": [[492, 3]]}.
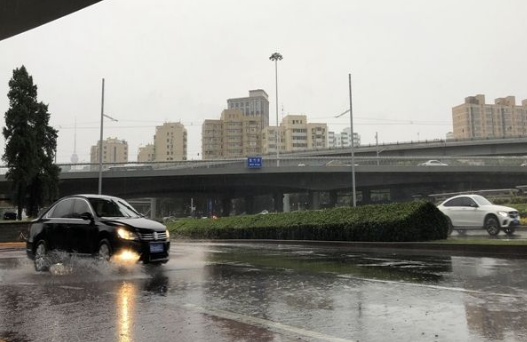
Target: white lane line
{"points": [[436, 287], [265, 323], [71, 287]]}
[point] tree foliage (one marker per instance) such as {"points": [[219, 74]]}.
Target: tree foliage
{"points": [[30, 146]]}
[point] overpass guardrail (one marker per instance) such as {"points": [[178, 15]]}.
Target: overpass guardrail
{"points": [[303, 162]]}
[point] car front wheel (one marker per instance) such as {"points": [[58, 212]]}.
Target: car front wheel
{"points": [[450, 226], [105, 250], [41, 257], [492, 226]]}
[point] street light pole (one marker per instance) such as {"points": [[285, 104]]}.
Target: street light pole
{"points": [[277, 57], [100, 138], [354, 194]]}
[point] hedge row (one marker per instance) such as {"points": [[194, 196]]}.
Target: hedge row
{"points": [[398, 222]]}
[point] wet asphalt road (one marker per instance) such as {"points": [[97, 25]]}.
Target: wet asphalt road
{"points": [[266, 292]]}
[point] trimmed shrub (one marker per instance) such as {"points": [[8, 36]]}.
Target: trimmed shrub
{"points": [[397, 222]]}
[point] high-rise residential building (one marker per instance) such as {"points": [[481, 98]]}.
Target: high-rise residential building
{"points": [[170, 142], [238, 132], [476, 119], [269, 140], [146, 153], [211, 139], [342, 139], [256, 105], [114, 151], [296, 134]]}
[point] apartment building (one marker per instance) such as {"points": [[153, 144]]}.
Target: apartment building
{"points": [[113, 151], [170, 142], [256, 106], [477, 119], [343, 139], [296, 134], [238, 132], [146, 153], [211, 139]]}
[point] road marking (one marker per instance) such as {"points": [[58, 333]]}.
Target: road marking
{"points": [[265, 323], [436, 287], [71, 287]]}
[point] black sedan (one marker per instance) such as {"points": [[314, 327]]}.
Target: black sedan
{"points": [[103, 226]]}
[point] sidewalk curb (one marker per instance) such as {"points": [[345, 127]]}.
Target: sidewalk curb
{"points": [[6, 246], [434, 248]]}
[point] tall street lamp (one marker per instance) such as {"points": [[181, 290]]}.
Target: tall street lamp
{"points": [[352, 147], [276, 57], [100, 138]]}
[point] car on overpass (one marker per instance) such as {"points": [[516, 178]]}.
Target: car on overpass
{"points": [[468, 212], [432, 162], [106, 227]]}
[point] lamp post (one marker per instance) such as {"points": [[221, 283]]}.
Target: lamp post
{"points": [[100, 138], [354, 193], [352, 146], [276, 57]]}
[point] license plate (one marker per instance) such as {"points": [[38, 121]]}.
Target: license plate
{"points": [[157, 248]]}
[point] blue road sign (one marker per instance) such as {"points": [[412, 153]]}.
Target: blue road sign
{"points": [[254, 162]]}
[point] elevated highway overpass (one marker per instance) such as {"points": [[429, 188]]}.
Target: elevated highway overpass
{"points": [[437, 148], [396, 179]]}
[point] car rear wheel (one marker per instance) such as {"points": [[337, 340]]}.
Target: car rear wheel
{"points": [[492, 226], [509, 231], [41, 257], [104, 252]]}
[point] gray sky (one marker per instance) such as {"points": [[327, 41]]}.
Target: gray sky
{"points": [[168, 60]]}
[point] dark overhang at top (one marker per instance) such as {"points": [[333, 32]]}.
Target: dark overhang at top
{"points": [[17, 16]]}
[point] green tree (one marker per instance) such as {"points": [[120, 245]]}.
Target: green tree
{"points": [[30, 146]]}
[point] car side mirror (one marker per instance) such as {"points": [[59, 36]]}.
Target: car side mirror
{"points": [[86, 216], [474, 205]]}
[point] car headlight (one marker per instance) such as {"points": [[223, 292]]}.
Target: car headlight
{"points": [[503, 213], [125, 234], [168, 234]]}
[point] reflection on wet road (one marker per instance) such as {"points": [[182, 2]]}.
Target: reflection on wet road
{"points": [[266, 292]]}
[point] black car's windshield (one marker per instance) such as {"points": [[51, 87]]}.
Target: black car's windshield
{"points": [[113, 208]]}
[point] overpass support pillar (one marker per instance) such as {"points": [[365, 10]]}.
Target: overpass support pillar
{"points": [[153, 208], [287, 203], [333, 196], [278, 199], [249, 204], [366, 196], [314, 200], [225, 207]]}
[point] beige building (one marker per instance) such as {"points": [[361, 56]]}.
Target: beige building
{"points": [[476, 119], [170, 142], [114, 151], [342, 139], [146, 154], [296, 134], [238, 132], [211, 139]]}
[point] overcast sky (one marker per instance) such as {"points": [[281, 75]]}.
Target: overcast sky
{"points": [[168, 60]]}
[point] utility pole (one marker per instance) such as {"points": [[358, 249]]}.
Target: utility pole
{"points": [[277, 57], [100, 140], [354, 194]]}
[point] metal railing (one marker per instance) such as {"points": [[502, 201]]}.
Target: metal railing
{"points": [[304, 162]]}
